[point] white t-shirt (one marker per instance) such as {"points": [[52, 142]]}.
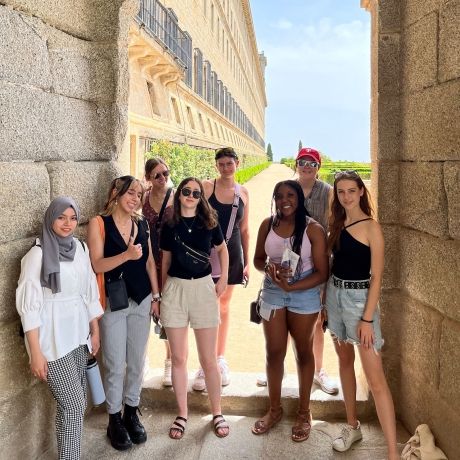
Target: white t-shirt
{"points": [[63, 318]]}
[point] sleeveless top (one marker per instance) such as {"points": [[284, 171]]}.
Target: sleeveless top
{"points": [[134, 271], [155, 228], [234, 246], [275, 244], [317, 203], [352, 260]]}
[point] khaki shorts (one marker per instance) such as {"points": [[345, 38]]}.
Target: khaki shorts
{"points": [[189, 301]]}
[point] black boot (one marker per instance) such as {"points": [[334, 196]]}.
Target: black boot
{"points": [[116, 431], [133, 425]]}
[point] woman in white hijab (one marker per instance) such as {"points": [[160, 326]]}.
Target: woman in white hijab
{"points": [[58, 301]]}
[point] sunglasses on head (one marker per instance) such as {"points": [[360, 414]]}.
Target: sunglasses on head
{"points": [[311, 164], [165, 174], [350, 172], [188, 191]]}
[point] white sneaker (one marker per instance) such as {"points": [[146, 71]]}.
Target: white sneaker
{"points": [[199, 383], [261, 380], [167, 380], [325, 383], [224, 371], [348, 436]]}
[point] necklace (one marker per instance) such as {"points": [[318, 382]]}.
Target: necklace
{"points": [[189, 229], [123, 229]]}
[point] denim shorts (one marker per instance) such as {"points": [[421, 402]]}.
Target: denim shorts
{"points": [[344, 310], [304, 302]]}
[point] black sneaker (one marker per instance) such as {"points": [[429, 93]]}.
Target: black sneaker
{"points": [[132, 424], [117, 433]]}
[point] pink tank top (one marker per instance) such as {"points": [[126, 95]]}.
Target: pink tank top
{"points": [[274, 247]]}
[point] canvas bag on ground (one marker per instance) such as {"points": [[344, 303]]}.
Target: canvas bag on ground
{"points": [[215, 262], [421, 446]]}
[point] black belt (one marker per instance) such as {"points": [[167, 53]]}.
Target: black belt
{"points": [[342, 284]]}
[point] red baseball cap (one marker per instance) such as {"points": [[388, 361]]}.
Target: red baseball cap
{"points": [[308, 152]]}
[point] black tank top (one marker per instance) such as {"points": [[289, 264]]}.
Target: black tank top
{"points": [[134, 271], [352, 260]]}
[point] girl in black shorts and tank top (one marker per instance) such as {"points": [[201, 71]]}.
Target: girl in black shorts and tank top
{"points": [[221, 194], [356, 243]]}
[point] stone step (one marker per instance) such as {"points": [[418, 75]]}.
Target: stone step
{"points": [[243, 396]]}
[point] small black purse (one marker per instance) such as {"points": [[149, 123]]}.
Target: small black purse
{"points": [[192, 260], [254, 310], [116, 289]]}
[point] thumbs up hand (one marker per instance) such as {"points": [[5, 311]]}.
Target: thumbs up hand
{"points": [[134, 251]]}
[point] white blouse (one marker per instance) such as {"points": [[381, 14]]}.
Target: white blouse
{"points": [[62, 318]]}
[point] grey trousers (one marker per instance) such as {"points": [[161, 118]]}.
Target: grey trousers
{"points": [[124, 336]]}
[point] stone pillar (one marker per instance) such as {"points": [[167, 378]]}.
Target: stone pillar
{"points": [[63, 115], [416, 154]]}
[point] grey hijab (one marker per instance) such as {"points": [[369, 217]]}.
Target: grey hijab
{"points": [[55, 248]]}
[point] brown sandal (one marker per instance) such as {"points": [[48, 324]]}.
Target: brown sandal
{"points": [[302, 427], [263, 426]]}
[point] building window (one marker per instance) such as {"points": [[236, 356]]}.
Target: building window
{"points": [[176, 110], [200, 119], [198, 72], [210, 127], [191, 121], [212, 17], [153, 99]]}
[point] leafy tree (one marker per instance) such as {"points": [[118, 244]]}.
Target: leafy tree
{"points": [[269, 152], [300, 146]]}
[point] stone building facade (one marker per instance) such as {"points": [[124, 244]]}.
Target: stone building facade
{"points": [[196, 77], [64, 124]]}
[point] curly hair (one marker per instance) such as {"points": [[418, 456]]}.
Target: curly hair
{"points": [[204, 212], [337, 217], [118, 188]]}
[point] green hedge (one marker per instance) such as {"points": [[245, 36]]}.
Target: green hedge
{"points": [[184, 161], [329, 168]]}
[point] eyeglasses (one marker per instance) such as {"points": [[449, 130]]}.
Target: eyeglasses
{"points": [[349, 172], [165, 174], [188, 191], [311, 164]]}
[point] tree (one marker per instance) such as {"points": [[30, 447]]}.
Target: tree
{"points": [[300, 146], [269, 152]]}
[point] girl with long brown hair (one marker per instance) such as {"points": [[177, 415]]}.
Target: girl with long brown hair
{"points": [[356, 243], [190, 296]]}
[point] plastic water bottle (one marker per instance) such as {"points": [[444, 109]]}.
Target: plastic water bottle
{"points": [[93, 376]]}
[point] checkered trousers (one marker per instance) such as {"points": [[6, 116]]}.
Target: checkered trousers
{"points": [[67, 382]]}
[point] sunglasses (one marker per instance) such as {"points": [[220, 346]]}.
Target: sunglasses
{"points": [[188, 191], [165, 174], [311, 164], [349, 172]]}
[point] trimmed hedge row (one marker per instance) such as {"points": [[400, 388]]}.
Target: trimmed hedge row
{"points": [[185, 161]]}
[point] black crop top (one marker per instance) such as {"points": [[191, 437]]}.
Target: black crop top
{"points": [[352, 261], [134, 271]]}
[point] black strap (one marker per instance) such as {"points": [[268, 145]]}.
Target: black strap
{"points": [[163, 206], [214, 188], [358, 221]]}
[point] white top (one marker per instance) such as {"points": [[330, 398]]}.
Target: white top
{"points": [[63, 318]]}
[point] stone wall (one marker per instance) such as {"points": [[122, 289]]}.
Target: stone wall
{"points": [[416, 155], [63, 122]]}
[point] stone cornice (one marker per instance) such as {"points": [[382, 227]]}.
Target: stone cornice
{"points": [[252, 38]]}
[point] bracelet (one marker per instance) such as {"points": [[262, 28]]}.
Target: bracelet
{"points": [[156, 297], [366, 320], [266, 266]]}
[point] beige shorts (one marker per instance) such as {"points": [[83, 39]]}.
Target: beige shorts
{"points": [[189, 301]]}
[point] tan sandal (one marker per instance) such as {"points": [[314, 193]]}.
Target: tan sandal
{"points": [[219, 423], [178, 426], [301, 429], [263, 426]]}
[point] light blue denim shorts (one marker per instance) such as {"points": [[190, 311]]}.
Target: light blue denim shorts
{"points": [[304, 302], [344, 310]]}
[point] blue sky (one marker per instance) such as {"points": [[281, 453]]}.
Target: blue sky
{"points": [[317, 77]]}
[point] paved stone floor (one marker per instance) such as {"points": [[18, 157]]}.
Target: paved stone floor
{"points": [[200, 443]]}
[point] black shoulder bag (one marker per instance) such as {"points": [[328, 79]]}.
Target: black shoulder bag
{"points": [[116, 289], [192, 260]]}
